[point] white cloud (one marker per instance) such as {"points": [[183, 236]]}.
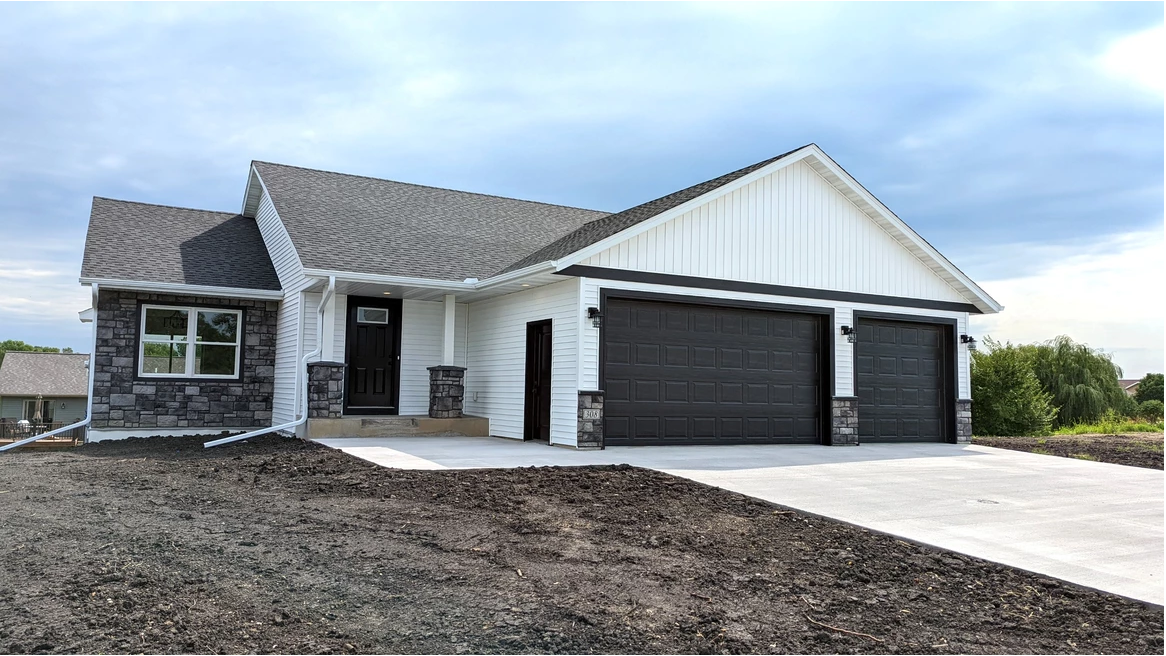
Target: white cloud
{"points": [[1107, 295], [1138, 58]]}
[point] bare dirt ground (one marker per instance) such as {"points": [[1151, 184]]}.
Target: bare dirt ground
{"points": [[1134, 449], [278, 545]]}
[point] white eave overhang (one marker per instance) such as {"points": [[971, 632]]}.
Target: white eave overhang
{"points": [[181, 288], [369, 284]]}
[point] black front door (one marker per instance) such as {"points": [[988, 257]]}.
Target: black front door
{"points": [[373, 342], [538, 381]]}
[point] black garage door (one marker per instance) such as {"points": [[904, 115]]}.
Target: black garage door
{"points": [[900, 374], [694, 374]]}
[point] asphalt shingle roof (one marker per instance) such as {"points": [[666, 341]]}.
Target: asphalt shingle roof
{"points": [[48, 374], [158, 243], [607, 226], [367, 225]]}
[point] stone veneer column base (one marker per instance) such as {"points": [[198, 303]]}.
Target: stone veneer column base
{"points": [[844, 421], [446, 391], [590, 420], [963, 421], [326, 390]]}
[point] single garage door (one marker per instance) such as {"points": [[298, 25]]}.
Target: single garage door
{"points": [[900, 378], [695, 374]]}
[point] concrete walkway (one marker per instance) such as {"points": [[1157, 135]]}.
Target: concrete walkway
{"points": [[1091, 523]]}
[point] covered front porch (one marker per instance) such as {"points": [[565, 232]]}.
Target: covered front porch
{"points": [[401, 359]]}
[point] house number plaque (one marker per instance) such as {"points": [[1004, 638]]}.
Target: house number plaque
{"points": [[591, 413]]}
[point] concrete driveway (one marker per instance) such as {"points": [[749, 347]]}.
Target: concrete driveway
{"points": [[1091, 523]]}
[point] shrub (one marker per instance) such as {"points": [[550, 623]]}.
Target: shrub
{"points": [[1149, 389], [1150, 410], [1082, 381], [1007, 396]]}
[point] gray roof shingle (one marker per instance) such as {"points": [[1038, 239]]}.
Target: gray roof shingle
{"points": [[159, 243], [607, 226], [367, 225], [48, 374]]}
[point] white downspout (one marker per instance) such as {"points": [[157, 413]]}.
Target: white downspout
{"points": [[303, 414], [89, 404]]}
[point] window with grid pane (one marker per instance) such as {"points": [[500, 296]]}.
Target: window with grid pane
{"points": [[189, 342]]}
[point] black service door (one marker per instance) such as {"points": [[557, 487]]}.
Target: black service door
{"points": [[900, 374], [373, 342], [538, 381], [694, 374]]}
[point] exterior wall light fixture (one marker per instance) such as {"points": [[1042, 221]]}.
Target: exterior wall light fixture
{"points": [[851, 334], [969, 340], [595, 316]]}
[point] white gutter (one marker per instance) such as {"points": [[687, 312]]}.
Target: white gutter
{"points": [[432, 283], [303, 417], [89, 403], [179, 288]]}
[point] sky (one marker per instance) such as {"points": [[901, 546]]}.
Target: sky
{"points": [[1024, 141]]}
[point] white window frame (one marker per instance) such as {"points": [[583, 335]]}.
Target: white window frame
{"points": [[191, 342]]}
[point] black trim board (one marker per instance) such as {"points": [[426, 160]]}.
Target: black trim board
{"points": [[605, 273], [825, 364], [952, 364]]}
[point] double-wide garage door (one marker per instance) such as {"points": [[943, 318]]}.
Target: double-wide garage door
{"points": [[694, 374], [676, 373]]}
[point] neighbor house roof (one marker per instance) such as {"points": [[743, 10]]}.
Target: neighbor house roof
{"points": [[47, 374], [1127, 383], [600, 229], [158, 243], [367, 225]]}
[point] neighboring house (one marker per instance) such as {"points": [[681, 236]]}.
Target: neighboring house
{"points": [[1129, 385], [780, 303], [43, 388]]}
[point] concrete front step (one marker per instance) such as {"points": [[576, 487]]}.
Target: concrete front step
{"points": [[397, 426]]}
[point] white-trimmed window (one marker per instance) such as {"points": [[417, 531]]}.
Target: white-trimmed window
{"points": [[189, 342]]}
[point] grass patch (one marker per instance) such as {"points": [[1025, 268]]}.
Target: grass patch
{"points": [[1111, 427], [1084, 456]]}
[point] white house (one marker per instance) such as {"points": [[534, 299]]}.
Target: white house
{"points": [[780, 303]]}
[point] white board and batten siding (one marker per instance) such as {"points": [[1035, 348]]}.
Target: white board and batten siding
{"points": [[496, 362], [290, 316], [792, 228]]}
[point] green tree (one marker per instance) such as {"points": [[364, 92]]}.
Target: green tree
{"points": [[1149, 388], [1007, 396], [1081, 380], [1151, 410], [17, 345]]}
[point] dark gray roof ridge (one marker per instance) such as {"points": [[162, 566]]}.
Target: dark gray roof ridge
{"points": [[424, 186]]}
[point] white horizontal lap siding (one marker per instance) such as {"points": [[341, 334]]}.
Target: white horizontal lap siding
{"points": [[496, 360], [422, 327], [792, 228], [287, 339], [843, 316], [311, 307]]}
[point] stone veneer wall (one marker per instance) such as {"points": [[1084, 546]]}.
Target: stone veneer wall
{"points": [[122, 400], [963, 421], [326, 390], [590, 420], [844, 421], [446, 391]]}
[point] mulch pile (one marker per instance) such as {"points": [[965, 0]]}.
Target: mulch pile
{"points": [[277, 545]]}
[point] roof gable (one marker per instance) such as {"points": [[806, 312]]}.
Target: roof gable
{"points": [[25, 373], [588, 242], [363, 225]]}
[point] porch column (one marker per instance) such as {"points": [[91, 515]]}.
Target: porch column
{"points": [[328, 338], [447, 381], [447, 336]]}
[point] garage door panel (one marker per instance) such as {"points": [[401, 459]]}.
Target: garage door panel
{"points": [[618, 353], [900, 382], [710, 375]]}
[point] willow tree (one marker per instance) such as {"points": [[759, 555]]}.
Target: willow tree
{"points": [[1082, 381]]}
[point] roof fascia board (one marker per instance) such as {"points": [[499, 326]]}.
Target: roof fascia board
{"points": [[668, 215], [905, 230], [182, 288], [249, 193], [432, 283], [282, 226]]}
